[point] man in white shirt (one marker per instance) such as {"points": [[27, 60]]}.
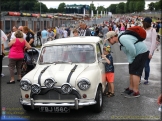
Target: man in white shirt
{"points": [[3, 38], [65, 33], [13, 33]]}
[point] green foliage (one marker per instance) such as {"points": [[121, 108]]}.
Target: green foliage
{"points": [[34, 6], [23, 6], [52, 10], [101, 8], [139, 6], [120, 8], [125, 8], [61, 7], [151, 6], [92, 7], [155, 6], [112, 8]]}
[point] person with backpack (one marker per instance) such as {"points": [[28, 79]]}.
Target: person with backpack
{"points": [[131, 43], [150, 42]]}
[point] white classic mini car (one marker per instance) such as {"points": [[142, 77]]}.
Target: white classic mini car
{"points": [[69, 74]]}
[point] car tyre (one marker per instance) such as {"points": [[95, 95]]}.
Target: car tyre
{"points": [[27, 108], [97, 108]]}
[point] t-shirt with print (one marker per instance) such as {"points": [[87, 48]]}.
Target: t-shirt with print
{"points": [[109, 67]]}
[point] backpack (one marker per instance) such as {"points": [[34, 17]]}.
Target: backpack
{"points": [[136, 31]]}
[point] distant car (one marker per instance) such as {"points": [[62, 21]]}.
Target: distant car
{"points": [[69, 74]]}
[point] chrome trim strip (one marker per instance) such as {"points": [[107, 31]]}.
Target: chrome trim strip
{"points": [[39, 78], [76, 103], [32, 103]]}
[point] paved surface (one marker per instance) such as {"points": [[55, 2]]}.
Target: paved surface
{"points": [[116, 108]]}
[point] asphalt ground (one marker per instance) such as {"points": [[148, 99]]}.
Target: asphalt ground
{"points": [[116, 108]]}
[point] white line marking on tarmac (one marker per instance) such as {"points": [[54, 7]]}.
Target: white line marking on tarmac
{"points": [[5, 66]]}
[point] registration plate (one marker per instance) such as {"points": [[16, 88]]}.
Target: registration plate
{"points": [[55, 109]]}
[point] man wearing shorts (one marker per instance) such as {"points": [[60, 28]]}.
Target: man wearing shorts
{"points": [[136, 55]]}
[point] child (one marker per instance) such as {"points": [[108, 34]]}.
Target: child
{"points": [[109, 70], [75, 33]]}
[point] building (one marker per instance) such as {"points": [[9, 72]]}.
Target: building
{"points": [[78, 9]]}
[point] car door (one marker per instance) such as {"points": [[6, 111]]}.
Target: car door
{"points": [[100, 64]]}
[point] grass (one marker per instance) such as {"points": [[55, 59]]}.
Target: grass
{"points": [[6, 53], [38, 46]]}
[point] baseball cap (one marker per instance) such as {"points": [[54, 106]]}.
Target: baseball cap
{"points": [[148, 20], [110, 34], [107, 48]]}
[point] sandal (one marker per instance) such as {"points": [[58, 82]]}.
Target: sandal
{"points": [[111, 94], [107, 93]]}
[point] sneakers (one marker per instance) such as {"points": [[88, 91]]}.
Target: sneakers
{"points": [[2, 75], [127, 91], [146, 82], [133, 95]]}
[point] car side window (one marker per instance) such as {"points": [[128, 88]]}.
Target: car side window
{"points": [[99, 53]]}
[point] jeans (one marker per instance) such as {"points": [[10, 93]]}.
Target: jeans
{"points": [[1, 58], [147, 69]]}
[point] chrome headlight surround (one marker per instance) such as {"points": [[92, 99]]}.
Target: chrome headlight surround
{"points": [[83, 84], [36, 88], [25, 84], [49, 82], [66, 88]]}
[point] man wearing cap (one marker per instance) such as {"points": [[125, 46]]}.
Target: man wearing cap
{"points": [[136, 54]]}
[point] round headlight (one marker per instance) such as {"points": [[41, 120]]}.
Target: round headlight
{"points": [[36, 88], [84, 84], [25, 84], [66, 88], [49, 83]]}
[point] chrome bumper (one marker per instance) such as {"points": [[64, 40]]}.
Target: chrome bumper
{"points": [[77, 102]]}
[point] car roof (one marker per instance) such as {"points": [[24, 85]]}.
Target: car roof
{"points": [[75, 40]]}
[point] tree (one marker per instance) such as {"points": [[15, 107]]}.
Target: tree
{"points": [[92, 7], [125, 8], [120, 8], [131, 6], [101, 8], [61, 7], [151, 6], [112, 8], [9, 5], [27, 6], [52, 10]]}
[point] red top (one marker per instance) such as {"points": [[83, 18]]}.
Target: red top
{"points": [[17, 49]]}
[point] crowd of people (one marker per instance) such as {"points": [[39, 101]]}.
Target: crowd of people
{"points": [[139, 55]]}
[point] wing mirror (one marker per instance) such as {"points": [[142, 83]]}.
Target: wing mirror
{"points": [[102, 60]]}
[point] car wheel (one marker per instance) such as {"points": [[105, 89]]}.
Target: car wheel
{"points": [[27, 108], [99, 99]]}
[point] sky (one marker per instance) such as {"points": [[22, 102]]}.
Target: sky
{"points": [[55, 4]]}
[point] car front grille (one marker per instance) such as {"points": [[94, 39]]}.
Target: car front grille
{"points": [[53, 95]]}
